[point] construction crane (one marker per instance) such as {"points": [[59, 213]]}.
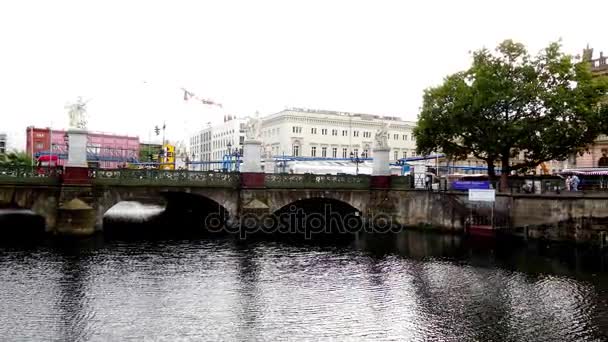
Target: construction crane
{"points": [[188, 95]]}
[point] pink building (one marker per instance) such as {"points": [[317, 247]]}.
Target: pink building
{"points": [[104, 150]]}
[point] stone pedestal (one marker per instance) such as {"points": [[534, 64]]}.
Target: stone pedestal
{"points": [[76, 169], [252, 180], [77, 148], [381, 162], [75, 218], [252, 156]]}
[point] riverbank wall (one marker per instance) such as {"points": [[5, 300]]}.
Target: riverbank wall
{"points": [[575, 217]]}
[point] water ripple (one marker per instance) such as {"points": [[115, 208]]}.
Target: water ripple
{"points": [[219, 290]]}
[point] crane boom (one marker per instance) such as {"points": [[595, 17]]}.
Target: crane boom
{"points": [[190, 95]]}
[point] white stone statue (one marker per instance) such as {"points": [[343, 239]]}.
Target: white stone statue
{"points": [[77, 112], [253, 128], [381, 137]]}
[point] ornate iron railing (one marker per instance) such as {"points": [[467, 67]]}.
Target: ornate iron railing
{"points": [[22, 171], [311, 181], [142, 177], [27, 174], [401, 182]]}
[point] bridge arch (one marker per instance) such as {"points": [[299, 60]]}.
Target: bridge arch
{"points": [[356, 199], [182, 206], [327, 215]]}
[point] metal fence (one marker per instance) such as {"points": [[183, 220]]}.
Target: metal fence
{"points": [[24, 171], [143, 177], [297, 181]]}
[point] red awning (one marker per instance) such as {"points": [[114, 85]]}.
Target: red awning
{"points": [[48, 158]]}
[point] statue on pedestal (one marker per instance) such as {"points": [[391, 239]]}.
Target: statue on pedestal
{"points": [[77, 112], [253, 128], [381, 137]]}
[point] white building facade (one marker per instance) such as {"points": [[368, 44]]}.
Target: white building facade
{"points": [[212, 143], [328, 134]]}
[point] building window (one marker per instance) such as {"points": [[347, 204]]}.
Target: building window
{"points": [[396, 136], [404, 154], [324, 152], [344, 133], [356, 152], [396, 155], [365, 153], [39, 135], [405, 137], [367, 134], [39, 145], [296, 129], [414, 154], [344, 152], [413, 137], [334, 132], [355, 133], [334, 152], [313, 151], [324, 131], [296, 150], [313, 130]]}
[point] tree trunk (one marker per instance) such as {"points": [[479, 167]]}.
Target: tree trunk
{"points": [[504, 173]]}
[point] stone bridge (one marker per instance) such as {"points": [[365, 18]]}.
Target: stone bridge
{"points": [[574, 217], [230, 194]]}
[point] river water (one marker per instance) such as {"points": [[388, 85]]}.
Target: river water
{"points": [[412, 286]]}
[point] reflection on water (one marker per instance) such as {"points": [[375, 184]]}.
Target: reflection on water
{"points": [[133, 211], [412, 286]]}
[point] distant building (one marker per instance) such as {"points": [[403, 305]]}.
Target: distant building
{"points": [[302, 132], [599, 66], [214, 142], [104, 150], [597, 155], [3, 143]]}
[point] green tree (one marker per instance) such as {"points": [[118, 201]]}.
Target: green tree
{"points": [[509, 104], [16, 158]]}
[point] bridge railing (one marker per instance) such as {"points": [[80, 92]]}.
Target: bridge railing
{"points": [[312, 181], [29, 174], [401, 182], [142, 177]]}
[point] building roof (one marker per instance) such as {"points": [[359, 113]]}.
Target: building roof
{"points": [[339, 114]]}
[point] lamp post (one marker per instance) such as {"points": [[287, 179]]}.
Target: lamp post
{"points": [[229, 145], [237, 154], [354, 157]]}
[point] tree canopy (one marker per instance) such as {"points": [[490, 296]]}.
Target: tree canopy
{"points": [[510, 104], [15, 158]]}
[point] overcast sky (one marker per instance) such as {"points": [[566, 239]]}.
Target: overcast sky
{"points": [[131, 57]]}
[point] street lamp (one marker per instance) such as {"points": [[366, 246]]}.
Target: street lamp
{"points": [[354, 157]]}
